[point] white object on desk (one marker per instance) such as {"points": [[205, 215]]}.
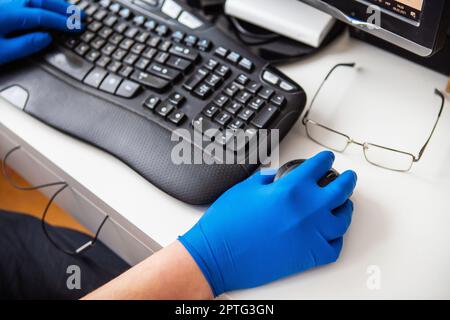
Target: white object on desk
{"points": [[290, 18]]}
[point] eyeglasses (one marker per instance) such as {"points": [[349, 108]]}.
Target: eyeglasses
{"points": [[380, 156]]}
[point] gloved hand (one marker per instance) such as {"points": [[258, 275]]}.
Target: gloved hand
{"points": [[260, 231], [23, 16]]}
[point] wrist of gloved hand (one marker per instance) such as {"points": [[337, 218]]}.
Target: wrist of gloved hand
{"points": [[260, 231]]}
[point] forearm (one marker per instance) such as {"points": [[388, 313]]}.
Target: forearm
{"points": [[168, 274]]}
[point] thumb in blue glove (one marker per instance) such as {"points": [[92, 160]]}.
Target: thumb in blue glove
{"points": [[260, 231], [24, 15]]}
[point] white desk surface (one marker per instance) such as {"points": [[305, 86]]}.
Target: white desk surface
{"points": [[401, 222]]}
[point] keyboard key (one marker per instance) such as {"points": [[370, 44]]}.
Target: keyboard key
{"points": [[223, 118], [162, 30], [242, 79], [108, 49], [142, 37], [105, 32], [234, 108], [149, 53], [211, 64], [236, 124], [179, 63], [126, 44], [246, 64], [195, 79], [125, 13], [221, 100], [110, 21], [150, 25], [171, 9], [243, 97], [264, 117], [150, 81], [165, 45], [266, 93], [130, 58], [246, 114], [115, 39], [270, 77], [137, 48], [119, 54], [92, 55], [204, 45], [128, 89], [121, 27], [214, 81], [163, 72], [177, 99], [177, 117], [111, 83], [94, 26], [184, 52], [115, 7], [95, 77], [253, 87], [87, 36], [203, 91], [98, 43], [223, 71], [114, 66], [142, 63], [191, 40], [131, 32], [233, 57], [126, 71], [189, 20], [103, 61], [278, 100], [151, 102], [164, 109], [178, 36], [210, 110], [154, 42], [221, 52], [161, 57], [82, 49], [231, 90], [256, 103]]}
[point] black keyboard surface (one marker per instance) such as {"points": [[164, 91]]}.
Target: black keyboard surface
{"points": [[158, 60]]}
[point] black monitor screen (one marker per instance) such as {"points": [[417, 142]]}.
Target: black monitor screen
{"points": [[410, 9]]}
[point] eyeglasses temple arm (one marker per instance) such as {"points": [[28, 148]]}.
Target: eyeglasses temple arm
{"points": [[351, 65], [441, 95]]}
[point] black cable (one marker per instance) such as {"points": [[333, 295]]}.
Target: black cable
{"points": [[63, 185]]}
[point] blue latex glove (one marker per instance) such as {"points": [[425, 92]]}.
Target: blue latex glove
{"points": [[260, 231], [23, 16]]}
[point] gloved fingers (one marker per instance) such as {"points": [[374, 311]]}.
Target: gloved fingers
{"points": [[326, 251], [333, 226], [313, 168], [338, 191], [31, 18], [24, 46], [264, 176], [57, 6], [336, 245]]}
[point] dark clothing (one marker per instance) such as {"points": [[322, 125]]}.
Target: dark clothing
{"points": [[32, 268]]}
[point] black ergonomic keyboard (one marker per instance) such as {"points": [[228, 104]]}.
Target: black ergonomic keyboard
{"points": [[142, 69]]}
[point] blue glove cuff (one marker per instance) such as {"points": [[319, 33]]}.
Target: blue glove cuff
{"points": [[195, 242]]}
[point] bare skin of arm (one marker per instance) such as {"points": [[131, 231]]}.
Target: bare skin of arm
{"points": [[168, 274]]}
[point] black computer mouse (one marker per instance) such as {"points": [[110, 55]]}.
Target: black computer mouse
{"points": [[291, 165]]}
